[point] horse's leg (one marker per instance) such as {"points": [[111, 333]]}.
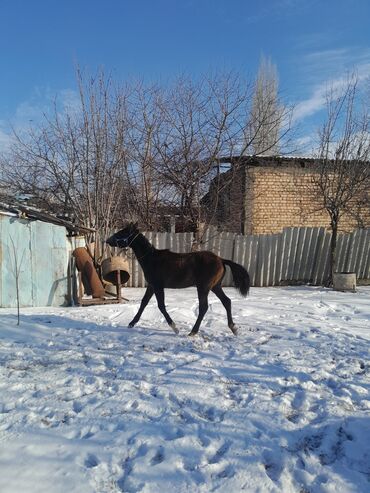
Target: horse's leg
{"points": [[159, 294], [148, 294], [225, 300], [203, 307]]}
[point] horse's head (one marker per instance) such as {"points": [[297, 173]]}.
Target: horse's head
{"points": [[125, 237]]}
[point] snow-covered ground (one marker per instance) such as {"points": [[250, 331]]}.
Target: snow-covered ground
{"points": [[88, 405]]}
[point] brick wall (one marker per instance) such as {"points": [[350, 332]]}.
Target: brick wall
{"points": [[278, 197]]}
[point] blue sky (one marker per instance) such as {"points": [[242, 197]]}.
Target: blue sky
{"points": [[312, 42]]}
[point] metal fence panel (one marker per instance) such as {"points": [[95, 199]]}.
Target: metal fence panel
{"points": [[292, 238], [365, 274], [365, 248], [304, 266], [261, 261], [351, 265], [343, 246], [362, 239]]}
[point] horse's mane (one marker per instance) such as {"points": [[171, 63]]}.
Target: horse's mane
{"points": [[145, 242]]}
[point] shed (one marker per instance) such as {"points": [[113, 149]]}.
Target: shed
{"points": [[41, 245]]}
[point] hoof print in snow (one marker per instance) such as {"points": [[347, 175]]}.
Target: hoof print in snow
{"points": [[91, 461], [312, 442], [158, 458], [283, 407], [173, 434], [293, 417], [228, 472], [220, 453], [272, 467], [77, 407]]}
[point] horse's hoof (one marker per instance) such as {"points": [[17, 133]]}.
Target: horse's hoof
{"points": [[174, 328], [130, 325], [234, 329], [192, 334]]}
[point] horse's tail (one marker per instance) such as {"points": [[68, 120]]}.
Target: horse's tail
{"points": [[240, 276]]}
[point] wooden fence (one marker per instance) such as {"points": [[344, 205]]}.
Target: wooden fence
{"points": [[297, 255]]}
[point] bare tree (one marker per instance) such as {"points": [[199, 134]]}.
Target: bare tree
{"points": [[342, 177], [16, 263], [138, 150], [201, 122], [146, 194], [206, 125], [95, 160], [74, 161]]}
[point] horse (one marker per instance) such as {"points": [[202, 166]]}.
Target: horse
{"points": [[165, 269]]}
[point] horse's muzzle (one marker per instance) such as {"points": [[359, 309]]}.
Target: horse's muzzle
{"points": [[117, 242], [111, 241]]}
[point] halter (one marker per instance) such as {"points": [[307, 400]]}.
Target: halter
{"points": [[130, 243], [133, 239]]}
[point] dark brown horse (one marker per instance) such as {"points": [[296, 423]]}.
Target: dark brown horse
{"points": [[165, 269]]}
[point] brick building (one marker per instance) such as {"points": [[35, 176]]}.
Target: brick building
{"points": [[267, 194]]}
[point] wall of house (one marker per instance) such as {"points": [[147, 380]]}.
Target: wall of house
{"points": [[42, 251], [277, 197]]}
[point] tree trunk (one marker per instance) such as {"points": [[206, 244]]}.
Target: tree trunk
{"points": [[333, 248]]}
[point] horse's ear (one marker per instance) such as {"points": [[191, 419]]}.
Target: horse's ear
{"points": [[136, 225]]}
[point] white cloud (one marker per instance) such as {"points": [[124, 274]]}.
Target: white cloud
{"points": [[69, 100], [277, 10], [317, 100], [323, 64], [5, 139], [30, 113]]}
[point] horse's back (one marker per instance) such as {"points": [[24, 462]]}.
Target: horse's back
{"points": [[182, 270]]}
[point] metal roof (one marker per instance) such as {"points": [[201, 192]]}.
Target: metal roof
{"points": [[33, 213]]}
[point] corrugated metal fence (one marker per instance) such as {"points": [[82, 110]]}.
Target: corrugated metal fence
{"points": [[293, 256]]}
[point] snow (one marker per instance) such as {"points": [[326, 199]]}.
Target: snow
{"points": [[88, 405]]}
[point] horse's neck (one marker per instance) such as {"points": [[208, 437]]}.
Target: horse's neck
{"points": [[142, 248]]}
